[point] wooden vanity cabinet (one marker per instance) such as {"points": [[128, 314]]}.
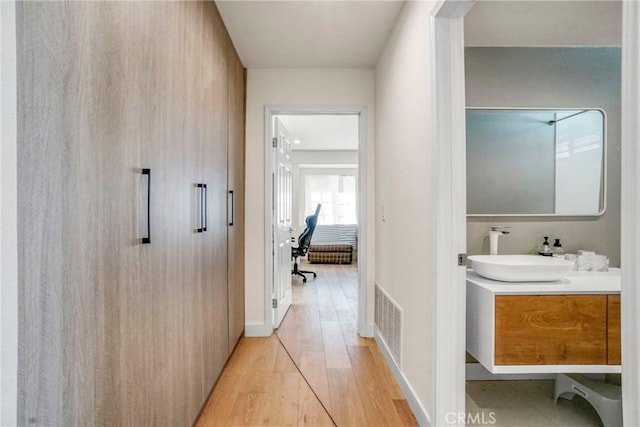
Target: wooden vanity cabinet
{"points": [[613, 330], [557, 329], [525, 328]]}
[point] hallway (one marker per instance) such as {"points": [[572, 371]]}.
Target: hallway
{"points": [[261, 385]]}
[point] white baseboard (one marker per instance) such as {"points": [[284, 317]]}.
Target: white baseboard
{"points": [[370, 331], [257, 330], [418, 410]]}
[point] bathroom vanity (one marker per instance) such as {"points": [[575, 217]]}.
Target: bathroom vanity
{"points": [[568, 325]]}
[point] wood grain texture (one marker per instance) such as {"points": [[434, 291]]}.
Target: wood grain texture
{"points": [[258, 384], [379, 408], [235, 177], [39, 336], [112, 331], [404, 412], [551, 330], [613, 330], [216, 179]]}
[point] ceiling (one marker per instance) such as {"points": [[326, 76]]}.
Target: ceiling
{"points": [[323, 131], [309, 33], [352, 34]]}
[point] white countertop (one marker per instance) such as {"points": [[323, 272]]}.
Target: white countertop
{"points": [[577, 282]]}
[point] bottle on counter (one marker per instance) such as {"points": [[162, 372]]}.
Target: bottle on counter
{"points": [[545, 249], [557, 248]]}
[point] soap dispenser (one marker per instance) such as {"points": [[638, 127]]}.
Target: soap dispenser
{"points": [[545, 250], [557, 248]]}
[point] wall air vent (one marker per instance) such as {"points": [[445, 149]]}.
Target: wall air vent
{"points": [[388, 321]]}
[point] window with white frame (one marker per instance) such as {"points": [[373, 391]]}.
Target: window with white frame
{"points": [[336, 193]]}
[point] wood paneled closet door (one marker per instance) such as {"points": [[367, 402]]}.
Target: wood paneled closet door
{"points": [[85, 301], [215, 305], [235, 175], [113, 331]]}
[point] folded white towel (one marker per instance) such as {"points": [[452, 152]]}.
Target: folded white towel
{"points": [[592, 263], [600, 263], [574, 258], [583, 252]]}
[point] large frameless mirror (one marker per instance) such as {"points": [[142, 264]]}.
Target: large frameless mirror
{"points": [[526, 162]]}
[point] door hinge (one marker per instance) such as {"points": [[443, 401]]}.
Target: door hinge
{"points": [[274, 142], [462, 259], [274, 303]]}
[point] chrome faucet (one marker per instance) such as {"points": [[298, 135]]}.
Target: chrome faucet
{"points": [[494, 233]]}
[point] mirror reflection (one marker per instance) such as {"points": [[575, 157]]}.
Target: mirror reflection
{"points": [[535, 162]]}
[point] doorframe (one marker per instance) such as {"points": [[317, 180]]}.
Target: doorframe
{"points": [[450, 222], [361, 112], [8, 216], [282, 152], [630, 211]]}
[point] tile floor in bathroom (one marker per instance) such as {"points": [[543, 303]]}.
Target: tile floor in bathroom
{"points": [[524, 404]]}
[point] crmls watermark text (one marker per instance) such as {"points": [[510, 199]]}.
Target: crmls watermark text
{"points": [[478, 418]]}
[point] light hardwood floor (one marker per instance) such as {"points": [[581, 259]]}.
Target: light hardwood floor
{"points": [[262, 386]]}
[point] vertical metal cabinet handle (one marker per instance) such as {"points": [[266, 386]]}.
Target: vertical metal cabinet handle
{"points": [[231, 206], [147, 239], [200, 228], [204, 207]]}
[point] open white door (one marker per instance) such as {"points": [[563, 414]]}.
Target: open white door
{"points": [[282, 213]]}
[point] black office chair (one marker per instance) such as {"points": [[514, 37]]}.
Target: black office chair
{"points": [[304, 241]]}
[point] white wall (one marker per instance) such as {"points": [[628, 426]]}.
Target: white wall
{"points": [[8, 219], [404, 248], [630, 300], [294, 87]]}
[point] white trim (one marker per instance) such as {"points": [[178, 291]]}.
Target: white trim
{"points": [[252, 330], [268, 220], [8, 217], [630, 212], [272, 110], [363, 235], [370, 330], [449, 201], [409, 394]]}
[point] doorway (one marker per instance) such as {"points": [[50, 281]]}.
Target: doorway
{"points": [[338, 164], [476, 227]]}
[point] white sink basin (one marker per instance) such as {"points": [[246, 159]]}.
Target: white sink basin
{"points": [[520, 268]]}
